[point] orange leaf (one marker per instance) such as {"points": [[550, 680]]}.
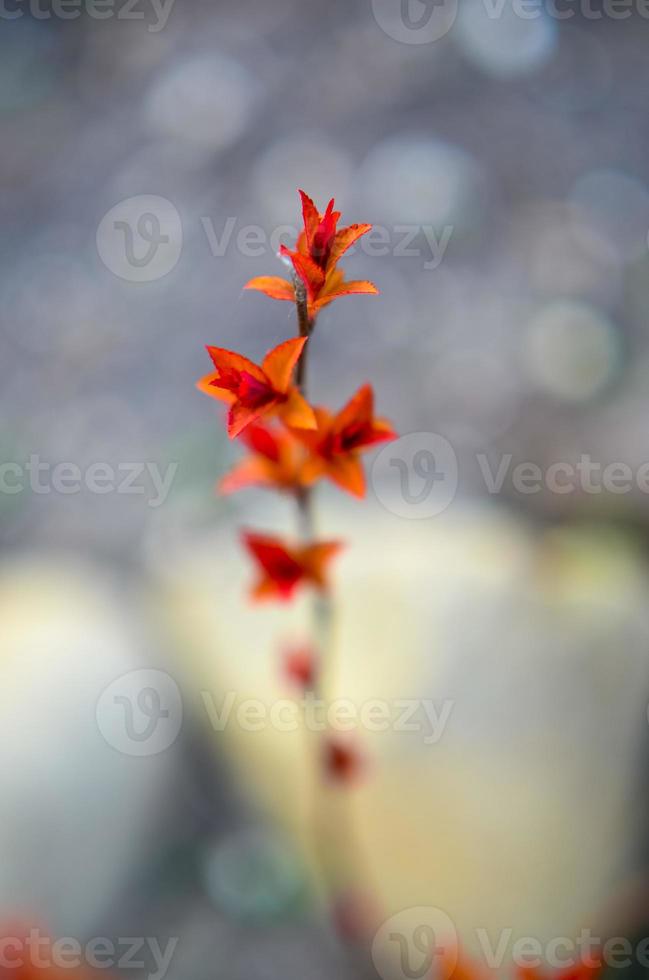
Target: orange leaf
{"points": [[271, 553], [347, 471], [273, 286], [309, 271], [228, 360], [313, 437], [296, 411], [262, 440], [357, 286], [282, 570], [317, 556], [345, 289], [205, 384], [344, 240], [313, 468], [252, 471], [241, 415], [323, 238], [311, 217], [284, 567], [359, 408], [279, 363], [266, 588]]}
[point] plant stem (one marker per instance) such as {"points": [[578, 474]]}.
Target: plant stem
{"points": [[329, 834], [305, 328]]}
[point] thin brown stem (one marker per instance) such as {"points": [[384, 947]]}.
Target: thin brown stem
{"points": [[304, 500], [304, 322], [305, 328], [324, 828]]}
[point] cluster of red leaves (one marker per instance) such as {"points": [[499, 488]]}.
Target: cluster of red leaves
{"points": [[290, 458], [256, 391], [315, 260], [292, 444]]}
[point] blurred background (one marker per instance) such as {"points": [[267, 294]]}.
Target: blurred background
{"points": [[151, 155]]}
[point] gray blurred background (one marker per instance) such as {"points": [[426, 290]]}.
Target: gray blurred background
{"points": [[503, 160]]}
